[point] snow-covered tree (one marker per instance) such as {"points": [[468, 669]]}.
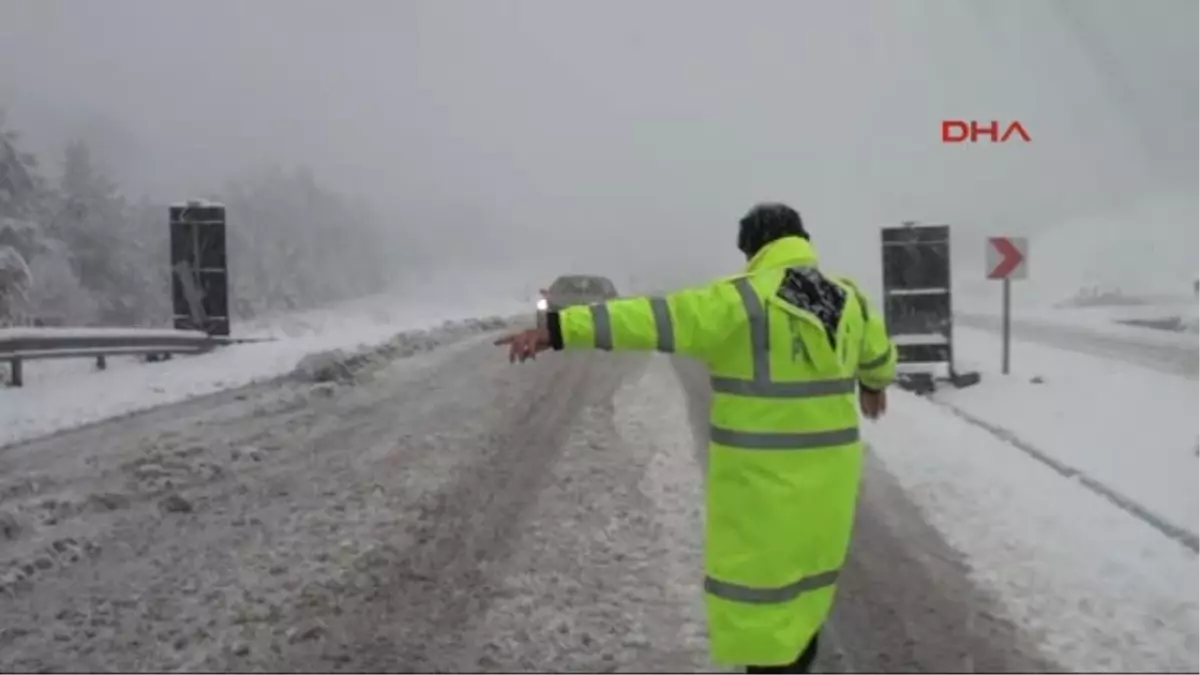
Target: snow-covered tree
{"points": [[56, 296], [15, 281], [90, 217], [22, 188], [25, 243], [294, 243], [79, 252]]}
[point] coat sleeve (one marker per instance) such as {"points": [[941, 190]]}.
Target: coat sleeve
{"points": [[690, 322], [877, 360]]}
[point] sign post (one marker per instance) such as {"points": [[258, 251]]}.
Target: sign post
{"points": [[1007, 259], [1007, 328]]}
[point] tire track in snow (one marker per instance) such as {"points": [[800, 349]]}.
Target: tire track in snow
{"points": [[458, 536], [281, 554], [609, 566]]}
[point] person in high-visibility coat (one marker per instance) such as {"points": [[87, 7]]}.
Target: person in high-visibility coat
{"points": [[787, 346]]}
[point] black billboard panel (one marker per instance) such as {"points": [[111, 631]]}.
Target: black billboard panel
{"points": [[199, 267], [916, 291], [916, 257], [917, 312]]}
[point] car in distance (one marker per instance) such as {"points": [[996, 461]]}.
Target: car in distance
{"points": [[574, 289]]}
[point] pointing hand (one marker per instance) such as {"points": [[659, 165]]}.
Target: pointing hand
{"points": [[526, 344]]}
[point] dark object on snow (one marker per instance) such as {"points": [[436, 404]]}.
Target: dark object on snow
{"points": [[199, 267], [574, 289], [917, 305], [173, 503], [9, 527], [1174, 324]]}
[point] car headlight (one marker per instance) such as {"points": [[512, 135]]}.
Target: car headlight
{"points": [[542, 305]]}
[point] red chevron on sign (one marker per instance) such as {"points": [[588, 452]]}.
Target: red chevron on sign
{"points": [[1006, 257]]}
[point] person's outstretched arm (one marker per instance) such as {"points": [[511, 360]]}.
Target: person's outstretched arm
{"points": [[687, 322], [683, 322]]}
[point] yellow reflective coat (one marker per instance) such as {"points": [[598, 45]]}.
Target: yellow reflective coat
{"points": [[784, 345]]}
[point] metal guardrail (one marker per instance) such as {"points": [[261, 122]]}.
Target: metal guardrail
{"points": [[27, 344]]}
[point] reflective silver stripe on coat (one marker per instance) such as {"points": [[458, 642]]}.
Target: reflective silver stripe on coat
{"points": [[877, 362], [602, 327], [662, 324], [760, 347], [769, 596], [760, 336], [782, 440], [730, 385]]}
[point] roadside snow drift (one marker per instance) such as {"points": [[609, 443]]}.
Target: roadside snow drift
{"points": [[1102, 589], [1129, 428], [54, 404]]}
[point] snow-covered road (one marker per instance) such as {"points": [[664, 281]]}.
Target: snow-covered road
{"points": [[444, 512]]}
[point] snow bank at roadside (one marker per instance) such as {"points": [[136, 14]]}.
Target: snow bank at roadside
{"points": [[339, 365], [47, 405], [383, 309], [1105, 591], [1121, 322], [367, 320], [1130, 428]]}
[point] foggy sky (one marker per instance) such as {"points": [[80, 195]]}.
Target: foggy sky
{"points": [[628, 137]]}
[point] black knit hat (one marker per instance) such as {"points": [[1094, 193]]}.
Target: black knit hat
{"points": [[765, 223]]}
